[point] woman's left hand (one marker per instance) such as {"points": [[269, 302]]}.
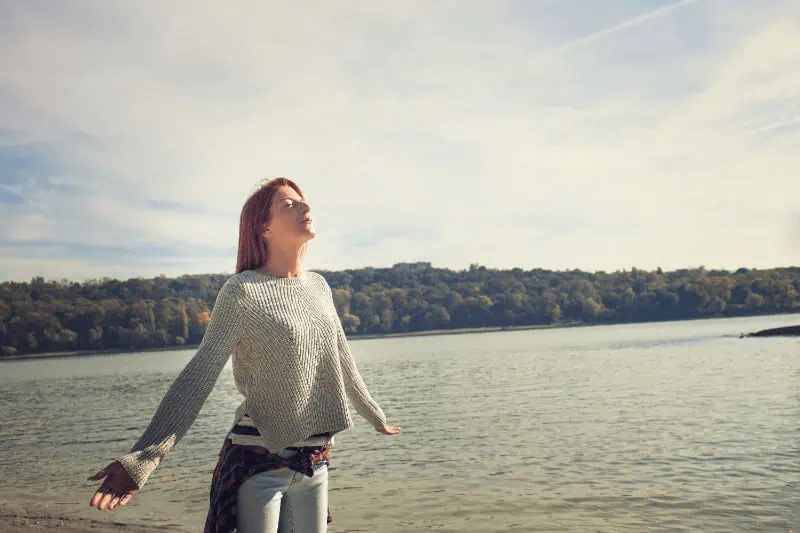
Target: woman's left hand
{"points": [[389, 430]]}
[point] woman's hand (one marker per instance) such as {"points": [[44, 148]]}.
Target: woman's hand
{"points": [[117, 488], [389, 430]]}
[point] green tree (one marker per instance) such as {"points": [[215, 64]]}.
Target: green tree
{"points": [[58, 315]]}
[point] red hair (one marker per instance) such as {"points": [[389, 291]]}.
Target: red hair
{"points": [[253, 250]]}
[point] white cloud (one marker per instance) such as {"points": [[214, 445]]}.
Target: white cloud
{"points": [[624, 25], [452, 133]]}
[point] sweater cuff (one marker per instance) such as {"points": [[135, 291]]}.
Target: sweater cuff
{"points": [[139, 466], [375, 416]]}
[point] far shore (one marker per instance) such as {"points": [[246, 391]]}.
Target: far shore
{"points": [[436, 332], [370, 336]]}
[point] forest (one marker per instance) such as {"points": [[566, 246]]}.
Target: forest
{"points": [[108, 314]]}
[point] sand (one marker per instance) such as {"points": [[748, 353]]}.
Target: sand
{"points": [[24, 513], [13, 522]]}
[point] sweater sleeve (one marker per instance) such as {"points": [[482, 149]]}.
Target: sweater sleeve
{"points": [[187, 394], [355, 387]]}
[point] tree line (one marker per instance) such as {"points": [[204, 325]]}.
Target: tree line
{"points": [[108, 314]]}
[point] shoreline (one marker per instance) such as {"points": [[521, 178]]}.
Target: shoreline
{"points": [[366, 336], [463, 331], [13, 522], [374, 336], [23, 513]]}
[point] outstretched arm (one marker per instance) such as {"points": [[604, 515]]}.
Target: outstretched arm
{"points": [[354, 384], [356, 389], [189, 391]]}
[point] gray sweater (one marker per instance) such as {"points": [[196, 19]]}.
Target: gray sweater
{"points": [[291, 362]]}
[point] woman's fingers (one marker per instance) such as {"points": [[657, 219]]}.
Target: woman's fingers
{"points": [[105, 501], [106, 498], [95, 501], [104, 489], [117, 488], [126, 498], [114, 502]]}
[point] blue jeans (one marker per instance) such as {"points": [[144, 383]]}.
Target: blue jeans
{"points": [[284, 501]]}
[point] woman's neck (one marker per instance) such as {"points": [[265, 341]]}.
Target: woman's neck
{"points": [[283, 263]]}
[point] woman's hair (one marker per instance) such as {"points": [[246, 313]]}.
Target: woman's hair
{"points": [[253, 250]]}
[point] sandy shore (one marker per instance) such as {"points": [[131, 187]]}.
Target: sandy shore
{"points": [[25, 513], [25, 523]]}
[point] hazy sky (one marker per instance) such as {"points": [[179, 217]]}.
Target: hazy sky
{"points": [[592, 134]]}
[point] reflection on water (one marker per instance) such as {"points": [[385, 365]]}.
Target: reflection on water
{"points": [[654, 427]]}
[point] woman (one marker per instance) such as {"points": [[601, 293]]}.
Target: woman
{"points": [[291, 362]]}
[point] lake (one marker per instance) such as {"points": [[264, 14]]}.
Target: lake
{"points": [[676, 426]]}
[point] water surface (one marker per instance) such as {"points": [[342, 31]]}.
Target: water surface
{"points": [[653, 427]]}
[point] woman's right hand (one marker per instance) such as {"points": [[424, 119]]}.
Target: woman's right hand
{"points": [[389, 430], [117, 488]]}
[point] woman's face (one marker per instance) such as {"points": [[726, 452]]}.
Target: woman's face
{"points": [[290, 217]]}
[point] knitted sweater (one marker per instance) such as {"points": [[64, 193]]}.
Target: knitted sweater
{"points": [[291, 362]]}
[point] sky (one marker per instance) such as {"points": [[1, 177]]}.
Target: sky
{"points": [[559, 134]]}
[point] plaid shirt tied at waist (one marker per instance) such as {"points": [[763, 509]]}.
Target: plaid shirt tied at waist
{"points": [[236, 464]]}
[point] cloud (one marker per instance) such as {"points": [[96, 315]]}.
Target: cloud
{"points": [[511, 133], [622, 26], [8, 197], [41, 249]]}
